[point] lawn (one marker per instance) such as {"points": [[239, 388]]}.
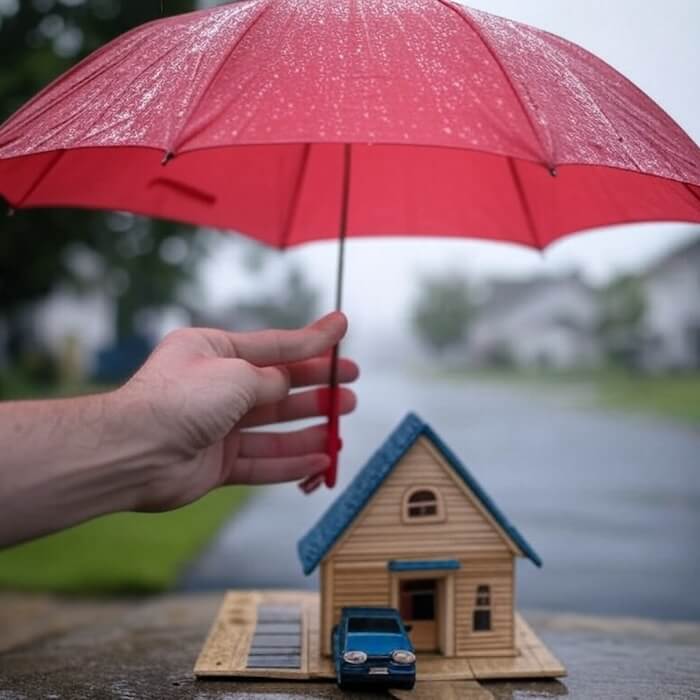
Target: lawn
{"points": [[127, 553], [674, 396]]}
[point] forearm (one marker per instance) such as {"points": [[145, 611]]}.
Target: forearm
{"points": [[66, 461]]}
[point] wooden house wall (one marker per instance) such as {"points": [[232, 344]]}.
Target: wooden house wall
{"points": [[498, 575], [351, 584], [355, 571], [379, 533]]}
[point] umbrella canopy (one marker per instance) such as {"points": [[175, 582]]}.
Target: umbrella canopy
{"points": [[460, 124], [295, 120]]}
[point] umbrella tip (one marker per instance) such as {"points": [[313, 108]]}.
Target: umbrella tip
{"points": [[169, 155], [552, 170]]}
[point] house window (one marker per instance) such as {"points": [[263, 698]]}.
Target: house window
{"points": [[422, 504], [482, 610]]}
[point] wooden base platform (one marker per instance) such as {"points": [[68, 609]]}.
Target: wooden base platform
{"points": [[235, 647]]}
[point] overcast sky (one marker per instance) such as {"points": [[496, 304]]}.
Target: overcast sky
{"points": [[655, 44]]}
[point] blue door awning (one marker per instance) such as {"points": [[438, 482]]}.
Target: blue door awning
{"points": [[429, 565]]}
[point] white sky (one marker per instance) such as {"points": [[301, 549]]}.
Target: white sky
{"points": [[654, 44]]}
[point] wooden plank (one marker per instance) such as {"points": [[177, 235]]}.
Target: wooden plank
{"points": [[535, 659], [433, 667], [227, 646]]}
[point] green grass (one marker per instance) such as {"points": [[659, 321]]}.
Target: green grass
{"points": [[674, 396], [127, 553]]}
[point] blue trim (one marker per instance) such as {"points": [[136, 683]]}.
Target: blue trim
{"points": [[442, 565], [333, 523]]}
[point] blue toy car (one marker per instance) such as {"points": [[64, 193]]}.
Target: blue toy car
{"points": [[371, 646]]}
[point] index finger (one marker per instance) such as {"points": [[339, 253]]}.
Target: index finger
{"points": [[275, 347]]}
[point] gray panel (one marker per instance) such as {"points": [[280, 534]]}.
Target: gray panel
{"points": [[279, 613], [276, 640], [274, 651], [280, 661], [278, 628]]}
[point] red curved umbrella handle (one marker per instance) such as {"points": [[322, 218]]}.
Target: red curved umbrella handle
{"points": [[329, 403], [333, 442]]}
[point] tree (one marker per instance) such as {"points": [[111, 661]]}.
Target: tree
{"points": [[295, 305], [443, 311], [620, 323], [132, 258]]}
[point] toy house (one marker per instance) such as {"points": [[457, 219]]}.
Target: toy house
{"points": [[415, 531]]}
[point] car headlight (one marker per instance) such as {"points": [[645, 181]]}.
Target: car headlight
{"points": [[401, 656], [355, 657]]}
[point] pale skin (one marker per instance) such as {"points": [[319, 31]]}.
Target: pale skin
{"points": [[177, 430]]}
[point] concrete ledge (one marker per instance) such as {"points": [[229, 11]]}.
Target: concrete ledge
{"points": [[74, 649]]}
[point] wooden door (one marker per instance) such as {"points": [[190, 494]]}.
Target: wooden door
{"points": [[418, 605]]}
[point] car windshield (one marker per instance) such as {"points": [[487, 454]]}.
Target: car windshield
{"points": [[381, 625]]}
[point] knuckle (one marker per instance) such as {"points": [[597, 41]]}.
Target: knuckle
{"points": [[178, 335]]}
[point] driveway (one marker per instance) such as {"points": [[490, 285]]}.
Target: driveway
{"points": [[610, 501]]}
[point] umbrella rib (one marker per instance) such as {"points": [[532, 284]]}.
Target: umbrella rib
{"points": [[463, 15], [197, 101], [294, 205], [692, 190], [520, 189], [57, 155]]}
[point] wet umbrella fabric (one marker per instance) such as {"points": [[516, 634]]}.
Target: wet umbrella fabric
{"points": [[296, 120]]}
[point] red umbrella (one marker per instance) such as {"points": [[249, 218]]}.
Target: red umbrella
{"points": [[296, 120]]}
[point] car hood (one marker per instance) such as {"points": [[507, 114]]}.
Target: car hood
{"points": [[375, 644]]}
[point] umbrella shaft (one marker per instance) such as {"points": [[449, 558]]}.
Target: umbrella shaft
{"points": [[343, 227], [334, 407]]}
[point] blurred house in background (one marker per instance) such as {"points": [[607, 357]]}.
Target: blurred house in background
{"points": [[559, 323], [71, 327], [77, 331], [545, 322], [671, 323], [647, 322]]}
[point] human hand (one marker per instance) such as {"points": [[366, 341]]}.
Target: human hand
{"points": [[201, 391]]}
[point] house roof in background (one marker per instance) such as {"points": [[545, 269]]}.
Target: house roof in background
{"points": [[691, 249], [314, 546], [503, 295]]}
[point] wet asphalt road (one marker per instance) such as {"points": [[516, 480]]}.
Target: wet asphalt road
{"points": [[610, 501]]}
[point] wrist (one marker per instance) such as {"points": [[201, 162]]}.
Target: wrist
{"points": [[70, 460], [144, 420]]}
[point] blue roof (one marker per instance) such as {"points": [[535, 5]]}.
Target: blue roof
{"points": [[321, 538]]}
